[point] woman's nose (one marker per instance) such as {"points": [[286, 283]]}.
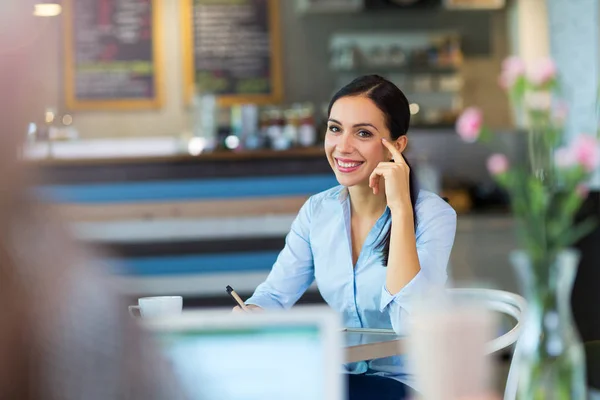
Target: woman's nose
{"points": [[345, 144]]}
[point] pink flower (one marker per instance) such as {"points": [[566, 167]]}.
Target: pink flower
{"points": [[582, 190], [542, 72], [468, 125], [561, 111], [564, 158], [497, 164], [586, 151], [512, 69]]}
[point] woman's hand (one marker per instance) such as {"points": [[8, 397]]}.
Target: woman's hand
{"points": [[396, 176], [251, 307]]}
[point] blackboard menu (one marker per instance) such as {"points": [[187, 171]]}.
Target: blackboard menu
{"points": [[111, 59], [235, 49]]}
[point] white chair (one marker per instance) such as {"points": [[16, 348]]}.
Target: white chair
{"points": [[506, 303]]}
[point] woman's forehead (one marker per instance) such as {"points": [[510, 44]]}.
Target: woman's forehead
{"points": [[356, 110]]}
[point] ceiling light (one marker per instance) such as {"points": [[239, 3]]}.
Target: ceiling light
{"points": [[47, 9], [414, 108]]}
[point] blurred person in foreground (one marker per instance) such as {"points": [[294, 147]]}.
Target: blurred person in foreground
{"points": [[64, 333], [373, 244]]}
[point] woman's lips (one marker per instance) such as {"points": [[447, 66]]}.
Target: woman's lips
{"points": [[347, 166]]}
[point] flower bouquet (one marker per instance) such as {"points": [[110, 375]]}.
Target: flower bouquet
{"points": [[545, 196]]}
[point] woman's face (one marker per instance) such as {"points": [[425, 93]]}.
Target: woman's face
{"points": [[353, 140]]}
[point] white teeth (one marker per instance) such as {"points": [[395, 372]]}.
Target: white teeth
{"points": [[347, 164]]}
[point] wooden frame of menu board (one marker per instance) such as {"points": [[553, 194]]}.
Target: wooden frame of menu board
{"points": [[275, 68], [121, 104]]}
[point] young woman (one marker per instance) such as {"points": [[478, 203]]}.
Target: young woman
{"points": [[373, 244]]}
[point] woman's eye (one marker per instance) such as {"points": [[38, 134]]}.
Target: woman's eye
{"points": [[364, 134], [334, 129]]}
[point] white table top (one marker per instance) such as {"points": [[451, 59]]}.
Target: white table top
{"points": [[367, 344]]}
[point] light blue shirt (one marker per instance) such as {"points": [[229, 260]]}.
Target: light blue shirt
{"points": [[319, 248]]}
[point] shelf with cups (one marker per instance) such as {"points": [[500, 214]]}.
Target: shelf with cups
{"points": [[435, 100], [423, 52], [412, 69], [421, 82], [426, 66]]}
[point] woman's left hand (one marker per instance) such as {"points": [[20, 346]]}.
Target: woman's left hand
{"points": [[396, 176]]}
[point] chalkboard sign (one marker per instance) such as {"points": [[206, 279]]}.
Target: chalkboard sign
{"points": [[232, 49], [112, 54]]}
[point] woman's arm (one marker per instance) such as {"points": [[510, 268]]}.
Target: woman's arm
{"points": [[403, 261], [417, 264], [293, 272]]}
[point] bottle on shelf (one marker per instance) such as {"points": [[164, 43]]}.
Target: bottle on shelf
{"points": [[307, 133], [205, 112], [277, 139], [290, 129], [251, 137]]}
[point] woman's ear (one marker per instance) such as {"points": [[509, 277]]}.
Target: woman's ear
{"points": [[401, 143]]}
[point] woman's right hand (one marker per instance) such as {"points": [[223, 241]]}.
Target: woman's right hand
{"points": [[251, 307]]}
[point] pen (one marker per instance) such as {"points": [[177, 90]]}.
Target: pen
{"points": [[236, 297]]}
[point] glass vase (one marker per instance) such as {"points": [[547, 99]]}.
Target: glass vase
{"points": [[549, 360], [541, 155]]}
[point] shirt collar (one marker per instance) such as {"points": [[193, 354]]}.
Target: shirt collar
{"points": [[343, 194]]}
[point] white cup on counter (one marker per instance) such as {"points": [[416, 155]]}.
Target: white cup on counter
{"points": [[157, 307]]}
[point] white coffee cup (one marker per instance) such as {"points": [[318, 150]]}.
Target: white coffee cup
{"points": [[158, 306]]}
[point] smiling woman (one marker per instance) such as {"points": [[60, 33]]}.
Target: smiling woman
{"points": [[374, 244], [373, 112]]}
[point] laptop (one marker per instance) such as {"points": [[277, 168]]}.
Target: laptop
{"points": [[293, 355]]}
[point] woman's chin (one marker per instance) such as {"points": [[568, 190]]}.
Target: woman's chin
{"points": [[351, 181]]}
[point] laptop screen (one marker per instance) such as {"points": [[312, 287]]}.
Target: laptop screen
{"points": [[235, 363]]}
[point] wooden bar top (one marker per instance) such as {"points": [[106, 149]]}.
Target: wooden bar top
{"points": [[182, 157]]}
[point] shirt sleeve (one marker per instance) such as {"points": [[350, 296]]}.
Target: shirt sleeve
{"points": [[293, 271], [434, 245]]}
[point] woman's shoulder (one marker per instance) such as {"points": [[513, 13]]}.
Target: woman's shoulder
{"points": [[429, 203], [434, 217], [318, 201], [334, 193]]}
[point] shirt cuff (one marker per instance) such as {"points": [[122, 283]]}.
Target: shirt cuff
{"points": [[264, 301], [406, 296]]}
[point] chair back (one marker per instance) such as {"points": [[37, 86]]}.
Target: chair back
{"points": [[506, 303]]}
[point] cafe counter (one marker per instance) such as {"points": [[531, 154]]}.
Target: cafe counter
{"points": [[174, 223]]}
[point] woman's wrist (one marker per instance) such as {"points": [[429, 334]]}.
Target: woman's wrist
{"points": [[402, 212]]}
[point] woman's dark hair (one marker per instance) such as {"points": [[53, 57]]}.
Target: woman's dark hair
{"points": [[394, 105]]}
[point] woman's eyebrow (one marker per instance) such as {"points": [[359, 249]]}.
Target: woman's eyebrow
{"points": [[335, 121]]}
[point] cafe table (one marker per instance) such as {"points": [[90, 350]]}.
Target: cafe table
{"points": [[363, 344]]}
